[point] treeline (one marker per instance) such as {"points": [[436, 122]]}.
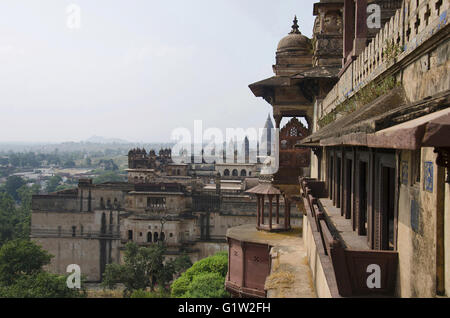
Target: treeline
{"points": [[34, 160]]}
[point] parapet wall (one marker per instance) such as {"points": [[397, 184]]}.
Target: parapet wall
{"points": [[412, 25], [55, 203]]}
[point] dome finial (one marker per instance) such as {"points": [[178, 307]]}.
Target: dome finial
{"points": [[295, 29]]}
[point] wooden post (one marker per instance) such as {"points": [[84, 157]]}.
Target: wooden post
{"points": [[289, 214], [262, 209], [258, 213], [278, 209], [285, 213], [270, 211]]}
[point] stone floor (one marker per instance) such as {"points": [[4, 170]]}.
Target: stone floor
{"points": [[290, 275]]}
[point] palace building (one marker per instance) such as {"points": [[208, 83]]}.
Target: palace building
{"points": [[186, 207], [375, 191]]}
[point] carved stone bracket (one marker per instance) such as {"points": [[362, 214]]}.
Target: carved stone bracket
{"points": [[443, 160]]}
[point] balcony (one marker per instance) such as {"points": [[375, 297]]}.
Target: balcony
{"points": [[353, 262]]}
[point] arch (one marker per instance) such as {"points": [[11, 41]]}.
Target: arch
{"points": [[149, 237], [235, 173], [243, 173], [155, 237], [226, 173], [163, 237], [130, 235]]}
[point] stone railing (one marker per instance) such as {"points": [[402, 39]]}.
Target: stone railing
{"points": [[412, 25]]}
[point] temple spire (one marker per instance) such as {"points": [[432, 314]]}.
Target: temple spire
{"points": [[295, 28]]}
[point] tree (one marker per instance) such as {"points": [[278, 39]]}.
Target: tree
{"points": [[109, 176], [23, 213], [53, 183], [21, 257], [15, 220], [69, 164], [205, 279], [108, 165], [8, 217], [40, 285], [22, 274], [143, 268], [13, 183]]}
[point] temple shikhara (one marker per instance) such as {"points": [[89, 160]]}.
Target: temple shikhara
{"points": [[359, 205]]}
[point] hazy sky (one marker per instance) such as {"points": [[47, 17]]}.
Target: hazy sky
{"points": [[137, 69]]}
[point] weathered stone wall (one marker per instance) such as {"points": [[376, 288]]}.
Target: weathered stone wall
{"points": [[428, 75], [417, 229], [54, 232], [316, 261], [206, 249]]}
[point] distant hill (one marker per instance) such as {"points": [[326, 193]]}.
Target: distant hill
{"points": [[103, 140]]}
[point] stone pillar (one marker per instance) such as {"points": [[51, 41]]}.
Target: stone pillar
{"points": [[285, 213], [349, 27], [262, 209], [278, 209], [270, 211], [361, 27], [258, 211]]}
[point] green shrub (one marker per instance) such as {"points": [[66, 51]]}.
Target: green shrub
{"points": [[147, 294], [207, 285], [205, 279]]}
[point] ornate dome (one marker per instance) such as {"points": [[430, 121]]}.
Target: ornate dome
{"points": [[294, 40]]}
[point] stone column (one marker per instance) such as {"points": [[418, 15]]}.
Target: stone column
{"points": [[285, 213], [278, 209], [361, 27], [270, 211], [262, 209], [258, 213], [349, 26]]}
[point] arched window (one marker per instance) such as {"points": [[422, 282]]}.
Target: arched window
{"points": [[226, 173], [249, 173], [163, 237], [102, 203], [130, 235], [235, 173], [243, 173], [149, 237], [155, 237]]}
